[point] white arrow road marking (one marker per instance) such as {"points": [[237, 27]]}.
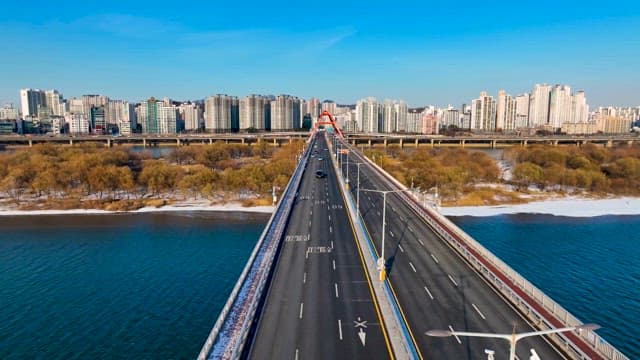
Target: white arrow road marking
{"points": [[363, 336]]}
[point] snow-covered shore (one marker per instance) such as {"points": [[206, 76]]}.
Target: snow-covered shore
{"points": [[570, 206], [180, 206]]}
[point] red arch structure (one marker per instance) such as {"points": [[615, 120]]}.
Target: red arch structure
{"points": [[332, 122]]}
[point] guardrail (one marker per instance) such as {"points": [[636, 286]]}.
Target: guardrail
{"points": [[229, 333], [525, 295]]}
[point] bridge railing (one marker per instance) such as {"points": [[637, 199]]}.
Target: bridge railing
{"points": [[229, 333], [491, 267]]}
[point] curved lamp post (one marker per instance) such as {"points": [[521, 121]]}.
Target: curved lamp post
{"points": [[512, 338]]}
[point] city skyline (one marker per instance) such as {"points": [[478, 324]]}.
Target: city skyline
{"points": [[443, 55]]}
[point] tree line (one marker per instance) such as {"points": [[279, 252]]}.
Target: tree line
{"points": [[91, 171], [452, 171], [588, 167]]}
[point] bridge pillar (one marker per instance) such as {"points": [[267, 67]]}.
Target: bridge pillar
{"points": [[554, 143], [432, 143], [71, 142], [144, 143], [242, 140], [275, 142], [108, 142], [609, 143], [401, 143], [369, 142], [178, 142], [417, 142], [524, 143], [493, 144], [30, 143], [629, 143], [385, 143], [210, 141], [462, 142]]}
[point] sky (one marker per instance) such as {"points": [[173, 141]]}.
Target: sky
{"points": [[425, 52]]}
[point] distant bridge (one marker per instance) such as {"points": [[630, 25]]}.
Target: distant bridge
{"points": [[359, 140]]}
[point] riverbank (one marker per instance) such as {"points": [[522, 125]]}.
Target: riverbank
{"points": [[187, 205], [571, 206]]}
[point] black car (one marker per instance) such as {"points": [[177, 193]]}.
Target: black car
{"points": [[320, 174]]}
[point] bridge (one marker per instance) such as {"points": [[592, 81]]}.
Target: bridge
{"points": [[360, 140], [329, 278]]}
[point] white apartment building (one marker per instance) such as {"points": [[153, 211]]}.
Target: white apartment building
{"points": [[167, 119], [560, 103], [217, 113], [78, 123], [522, 111], [483, 113], [367, 115], [192, 115], [579, 108], [285, 113], [505, 112], [253, 112], [539, 105]]}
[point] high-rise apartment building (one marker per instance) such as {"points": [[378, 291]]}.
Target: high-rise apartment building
{"points": [[148, 116], [252, 112], [539, 105], [313, 108], [191, 114], [483, 113], [330, 106], [217, 113], [367, 115], [167, 118], [579, 108], [560, 104], [285, 113], [121, 114], [31, 100], [505, 112], [55, 102], [414, 121], [388, 120], [401, 109], [522, 111]]}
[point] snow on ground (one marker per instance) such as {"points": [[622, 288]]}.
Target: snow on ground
{"points": [[179, 206], [569, 206]]}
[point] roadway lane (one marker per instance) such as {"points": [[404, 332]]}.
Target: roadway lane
{"points": [[434, 286], [319, 304]]}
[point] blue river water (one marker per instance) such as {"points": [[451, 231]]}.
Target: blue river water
{"points": [[150, 286], [590, 266], [143, 286]]}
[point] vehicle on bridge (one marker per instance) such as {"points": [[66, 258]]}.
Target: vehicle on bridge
{"points": [[320, 174]]}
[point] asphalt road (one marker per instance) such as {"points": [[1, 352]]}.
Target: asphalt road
{"points": [[435, 288], [319, 304]]}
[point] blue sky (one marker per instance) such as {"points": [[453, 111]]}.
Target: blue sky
{"points": [[439, 53]]}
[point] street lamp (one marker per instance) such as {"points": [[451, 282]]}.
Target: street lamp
{"points": [[512, 338], [382, 262]]}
